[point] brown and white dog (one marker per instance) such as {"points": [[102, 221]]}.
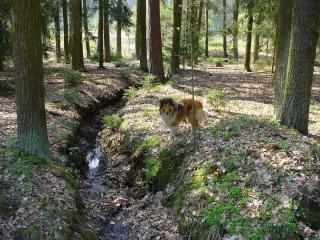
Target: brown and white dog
{"points": [[173, 113]]}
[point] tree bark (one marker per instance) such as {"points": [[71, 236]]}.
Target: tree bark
{"points": [[225, 52], [107, 55], [256, 42], [193, 28], [57, 32], [100, 34], [77, 51], [1, 46], [143, 35], [65, 32], [70, 28], [198, 32], [206, 48], [256, 48], [119, 26], [86, 28], [155, 44], [235, 29], [175, 52], [249, 37], [302, 53], [283, 36], [31, 114], [138, 37]]}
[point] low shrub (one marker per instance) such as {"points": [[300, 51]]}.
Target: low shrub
{"points": [[217, 98], [73, 78]]}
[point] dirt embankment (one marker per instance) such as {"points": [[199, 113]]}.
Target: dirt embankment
{"points": [[40, 199]]}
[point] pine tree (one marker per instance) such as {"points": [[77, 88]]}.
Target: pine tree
{"points": [[77, 51], [283, 36], [1, 46], [249, 37], [256, 41], [138, 37], [225, 53], [302, 53], [65, 31], [119, 27], [155, 45], [143, 35], [86, 28], [57, 31], [235, 29], [107, 55], [175, 52], [31, 114], [100, 34], [206, 48]]}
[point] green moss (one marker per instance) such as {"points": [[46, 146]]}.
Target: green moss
{"points": [[111, 122], [151, 169], [232, 131], [125, 75], [152, 142], [31, 232], [315, 151], [144, 128]]}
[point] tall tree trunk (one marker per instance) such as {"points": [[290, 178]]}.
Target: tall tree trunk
{"points": [[143, 35], [225, 52], [256, 48], [302, 53], [1, 45], [70, 28], [107, 55], [193, 28], [175, 52], [138, 37], [100, 34], [283, 36], [198, 32], [249, 37], [57, 32], [86, 28], [256, 41], [155, 44], [206, 48], [65, 31], [235, 29], [119, 26], [31, 114], [77, 51]]}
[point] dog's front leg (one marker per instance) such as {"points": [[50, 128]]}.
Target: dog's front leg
{"points": [[173, 132]]}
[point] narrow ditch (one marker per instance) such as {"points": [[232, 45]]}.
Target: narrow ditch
{"points": [[114, 211]]}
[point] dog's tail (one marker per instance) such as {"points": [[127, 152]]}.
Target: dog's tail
{"points": [[202, 115]]}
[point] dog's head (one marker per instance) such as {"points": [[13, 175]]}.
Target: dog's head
{"points": [[167, 106]]}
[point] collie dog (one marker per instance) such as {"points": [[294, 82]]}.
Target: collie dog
{"points": [[173, 113]]}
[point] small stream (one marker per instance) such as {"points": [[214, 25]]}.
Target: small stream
{"points": [[113, 209]]}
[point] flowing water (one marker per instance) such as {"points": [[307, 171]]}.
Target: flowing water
{"points": [[113, 209]]}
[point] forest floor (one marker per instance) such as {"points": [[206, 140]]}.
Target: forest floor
{"points": [[40, 199], [248, 176]]}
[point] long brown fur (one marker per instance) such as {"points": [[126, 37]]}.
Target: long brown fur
{"points": [[173, 113]]}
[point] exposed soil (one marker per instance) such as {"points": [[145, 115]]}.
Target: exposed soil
{"points": [[115, 210]]}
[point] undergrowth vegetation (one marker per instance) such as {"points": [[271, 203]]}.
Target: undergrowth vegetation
{"points": [[234, 183], [217, 98], [73, 78]]}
